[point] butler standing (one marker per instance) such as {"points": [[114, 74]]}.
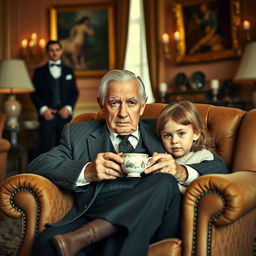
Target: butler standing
{"points": [[54, 97]]}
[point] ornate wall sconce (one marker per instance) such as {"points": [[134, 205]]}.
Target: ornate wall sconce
{"points": [[32, 50], [247, 29], [166, 43], [176, 36]]}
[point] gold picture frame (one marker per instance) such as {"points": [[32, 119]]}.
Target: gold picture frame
{"points": [[225, 27], [87, 35]]}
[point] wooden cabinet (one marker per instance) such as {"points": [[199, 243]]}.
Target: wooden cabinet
{"points": [[203, 96], [194, 96]]}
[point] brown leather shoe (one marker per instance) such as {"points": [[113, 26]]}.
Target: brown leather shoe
{"points": [[61, 245], [70, 243]]}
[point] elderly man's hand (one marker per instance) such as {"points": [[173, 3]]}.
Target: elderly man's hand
{"points": [[106, 166], [165, 163]]}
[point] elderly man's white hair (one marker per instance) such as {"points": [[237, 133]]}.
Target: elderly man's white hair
{"points": [[119, 76]]}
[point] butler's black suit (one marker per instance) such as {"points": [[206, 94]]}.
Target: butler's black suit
{"points": [[148, 213], [55, 94]]}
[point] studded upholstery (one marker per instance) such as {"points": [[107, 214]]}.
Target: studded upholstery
{"points": [[219, 211]]}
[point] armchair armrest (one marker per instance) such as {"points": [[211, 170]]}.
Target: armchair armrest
{"points": [[4, 148], [37, 200], [215, 199], [4, 145]]}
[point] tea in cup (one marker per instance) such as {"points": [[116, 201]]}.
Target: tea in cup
{"points": [[134, 163]]}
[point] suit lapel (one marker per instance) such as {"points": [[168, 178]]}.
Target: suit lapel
{"points": [[98, 141], [63, 81], [63, 75], [47, 72], [49, 78], [151, 141]]}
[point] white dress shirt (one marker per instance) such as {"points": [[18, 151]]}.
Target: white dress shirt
{"points": [[55, 70], [134, 139]]}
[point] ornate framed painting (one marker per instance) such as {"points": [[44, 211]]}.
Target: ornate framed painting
{"points": [[209, 30], [86, 33]]}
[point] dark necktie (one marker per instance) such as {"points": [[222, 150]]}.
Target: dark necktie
{"points": [[54, 64], [125, 145]]}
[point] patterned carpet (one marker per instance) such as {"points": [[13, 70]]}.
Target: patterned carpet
{"points": [[9, 235]]}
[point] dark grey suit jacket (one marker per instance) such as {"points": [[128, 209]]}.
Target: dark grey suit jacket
{"points": [[80, 144]]}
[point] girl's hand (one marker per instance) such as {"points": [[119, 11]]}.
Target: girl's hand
{"points": [[165, 163]]}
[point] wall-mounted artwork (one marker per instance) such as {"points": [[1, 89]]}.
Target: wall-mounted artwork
{"points": [[209, 30], [87, 35]]}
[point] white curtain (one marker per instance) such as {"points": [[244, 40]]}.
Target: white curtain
{"points": [[136, 53]]}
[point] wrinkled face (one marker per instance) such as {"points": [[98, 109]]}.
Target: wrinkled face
{"points": [[123, 107], [54, 52], [177, 138]]}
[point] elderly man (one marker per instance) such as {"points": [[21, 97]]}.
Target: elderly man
{"points": [[87, 162]]}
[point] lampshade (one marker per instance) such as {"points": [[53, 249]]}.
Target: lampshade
{"points": [[246, 73], [14, 77]]}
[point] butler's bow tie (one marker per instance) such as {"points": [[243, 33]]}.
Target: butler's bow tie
{"points": [[125, 145], [54, 64]]}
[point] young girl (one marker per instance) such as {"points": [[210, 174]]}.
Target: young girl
{"points": [[180, 129]]}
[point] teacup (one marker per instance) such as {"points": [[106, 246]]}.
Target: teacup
{"points": [[134, 163]]}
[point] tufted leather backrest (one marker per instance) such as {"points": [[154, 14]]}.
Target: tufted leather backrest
{"points": [[220, 123]]}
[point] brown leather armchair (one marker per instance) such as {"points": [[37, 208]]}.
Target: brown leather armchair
{"points": [[219, 212], [4, 148]]}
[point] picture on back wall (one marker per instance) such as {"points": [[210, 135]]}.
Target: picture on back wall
{"points": [[208, 29], [86, 33]]}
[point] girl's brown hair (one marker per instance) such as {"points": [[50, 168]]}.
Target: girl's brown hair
{"points": [[183, 113]]}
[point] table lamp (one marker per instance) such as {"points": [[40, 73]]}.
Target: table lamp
{"points": [[246, 73], [14, 79]]}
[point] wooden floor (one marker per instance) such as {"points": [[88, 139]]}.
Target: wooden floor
{"points": [[10, 230]]}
